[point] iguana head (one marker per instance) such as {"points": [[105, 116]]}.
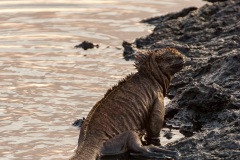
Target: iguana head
{"points": [[168, 60]]}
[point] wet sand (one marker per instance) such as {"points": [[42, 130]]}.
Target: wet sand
{"points": [[46, 83]]}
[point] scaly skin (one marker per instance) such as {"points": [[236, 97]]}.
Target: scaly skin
{"points": [[114, 124]]}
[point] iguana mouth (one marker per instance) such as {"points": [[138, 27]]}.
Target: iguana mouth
{"points": [[178, 65]]}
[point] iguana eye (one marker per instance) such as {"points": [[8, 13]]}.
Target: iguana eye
{"points": [[168, 59]]}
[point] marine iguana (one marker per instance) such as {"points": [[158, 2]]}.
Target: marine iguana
{"points": [[115, 123]]}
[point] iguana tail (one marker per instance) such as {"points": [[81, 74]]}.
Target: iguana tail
{"points": [[87, 151]]}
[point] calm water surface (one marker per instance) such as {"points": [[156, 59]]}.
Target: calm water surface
{"points": [[46, 83]]}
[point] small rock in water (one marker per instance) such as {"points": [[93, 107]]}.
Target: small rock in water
{"points": [[168, 134], [86, 45], [128, 53], [78, 122]]}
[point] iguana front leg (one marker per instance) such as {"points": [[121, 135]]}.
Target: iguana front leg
{"points": [[156, 120]]}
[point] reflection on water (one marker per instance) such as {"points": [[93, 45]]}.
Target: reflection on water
{"points": [[45, 83]]}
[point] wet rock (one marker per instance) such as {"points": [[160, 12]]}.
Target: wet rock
{"points": [[86, 45], [204, 98], [128, 52], [168, 134], [157, 20], [187, 130], [79, 122], [218, 143], [205, 95], [172, 124]]}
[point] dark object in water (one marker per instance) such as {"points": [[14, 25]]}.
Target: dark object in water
{"points": [[128, 52], [86, 45], [78, 122]]}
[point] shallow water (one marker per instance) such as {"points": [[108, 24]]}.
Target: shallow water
{"points": [[46, 83]]}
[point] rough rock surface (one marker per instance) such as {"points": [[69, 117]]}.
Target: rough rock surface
{"points": [[206, 93], [218, 143]]}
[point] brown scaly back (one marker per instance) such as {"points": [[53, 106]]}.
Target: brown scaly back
{"points": [[119, 84], [108, 93]]}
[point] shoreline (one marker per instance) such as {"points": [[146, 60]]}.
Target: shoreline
{"points": [[205, 94]]}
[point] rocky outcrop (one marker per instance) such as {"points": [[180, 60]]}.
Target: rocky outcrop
{"points": [[206, 93]]}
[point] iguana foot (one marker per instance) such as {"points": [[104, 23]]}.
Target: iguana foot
{"points": [[156, 152], [129, 141]]}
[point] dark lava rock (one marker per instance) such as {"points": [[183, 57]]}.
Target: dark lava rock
{"points": [[204, 98], [128, 52], [205, 95], [218, 143], [168, 134], [169, 16], [86, 45], [79, 122], [187, 130]]}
